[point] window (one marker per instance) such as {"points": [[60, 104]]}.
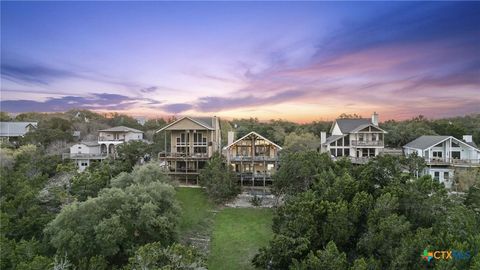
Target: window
{"points": [[437, 154], [332, 151], [346, 152], [436, 175], [346, 140], [455, 144], [340, 142], [456, 154], [79, 147], [339, 152], [360, 137], [374, 137], [445, 176]]}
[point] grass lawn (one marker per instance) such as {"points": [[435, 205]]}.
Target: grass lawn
{"points": [[238, 233], [196, 209]]}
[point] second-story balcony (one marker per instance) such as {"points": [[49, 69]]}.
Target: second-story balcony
{"points": [[109, 139], [253, 158], [366, 143], [180, 155], [84, 156], [452, 161]]}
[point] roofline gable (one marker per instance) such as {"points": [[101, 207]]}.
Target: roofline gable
{"points": [[449, 137], [256, 134], [367, 125], [185, 117]]}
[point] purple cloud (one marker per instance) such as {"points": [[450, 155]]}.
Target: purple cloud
{"points": [[103, 101]]}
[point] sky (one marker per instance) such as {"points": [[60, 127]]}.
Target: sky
{"points": [[299, 61]]}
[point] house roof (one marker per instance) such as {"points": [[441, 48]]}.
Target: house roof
{"points": [[347, 125], [333, 138], [121, 129], [15, 129], [426, 141], [207, 122], [252, 133], [90, 143]]}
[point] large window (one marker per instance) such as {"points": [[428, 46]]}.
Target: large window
{"points": [[437, 154], [456, 154], [332, 151], [347, 152], [455, 144], [346, 140], [340, 142], [339, 152], [436, 175]]}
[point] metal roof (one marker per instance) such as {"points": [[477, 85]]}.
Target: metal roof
{"points": [[121, 129], [15, 129], [426, 141]]}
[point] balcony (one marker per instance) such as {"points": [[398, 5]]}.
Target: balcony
{"points": [[108, 139], [182, 155], [452, 161], [366, 143], [84, 156], [254, 158]]}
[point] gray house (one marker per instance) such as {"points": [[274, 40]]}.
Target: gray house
{"points": [[12, 131]]}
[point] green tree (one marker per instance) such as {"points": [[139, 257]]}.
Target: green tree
{"points": [[296, 142], [219, 182], [155, 256]]}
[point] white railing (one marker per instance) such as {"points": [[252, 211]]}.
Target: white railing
{"points": [[366, 143], [83, 156]]}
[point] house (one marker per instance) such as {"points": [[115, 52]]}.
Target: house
{"points": [[13, 131], [193, 141], [84, 153], [110, 137], [359, 139], [444, 154], [253, 158]]}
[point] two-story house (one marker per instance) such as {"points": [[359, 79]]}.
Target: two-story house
{"points": [[110, 137], [358, 139], [444, 154], [85, 152], [253, 157], [193, 141]]}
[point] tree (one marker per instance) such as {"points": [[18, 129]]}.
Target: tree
{"points": [[131, 152], [329, 258], [220, 182], [115, 221], [176, 257], [296, 142], [298, 171]]}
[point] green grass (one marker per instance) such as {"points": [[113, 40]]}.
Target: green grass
{"points": [[196, 209], [238, 234]]}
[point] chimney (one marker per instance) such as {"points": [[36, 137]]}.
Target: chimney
{"points": [[467, 138], [231, 137], [323, 137], [375, 119]]}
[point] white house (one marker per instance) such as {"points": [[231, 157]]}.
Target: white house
{"points": [[443, 154], [110, 137], [83, 153], [358, 139]]}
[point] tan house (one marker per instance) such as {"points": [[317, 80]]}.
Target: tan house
{"points": [[193, 140], [253, 157]]}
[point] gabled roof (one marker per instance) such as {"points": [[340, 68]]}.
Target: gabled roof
{"points": [[347, 125], [333, 138], [121, 129], [15, 129], [365, 126], [206, 122], [255, 134], [427, 141]]}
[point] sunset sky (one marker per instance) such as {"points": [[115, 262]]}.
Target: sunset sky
{"points": [[297, 61]]}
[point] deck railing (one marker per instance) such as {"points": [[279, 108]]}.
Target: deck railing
{"points": [[83, 156], [253, 158], [451, 161], [366, 143]]}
